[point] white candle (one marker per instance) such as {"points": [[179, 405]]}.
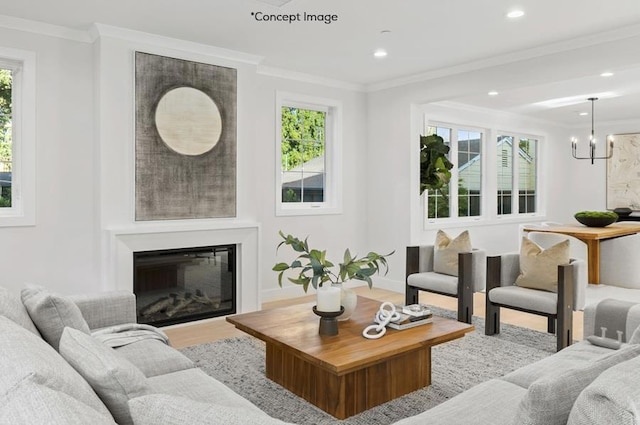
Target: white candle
{"points": [[328, 298]]}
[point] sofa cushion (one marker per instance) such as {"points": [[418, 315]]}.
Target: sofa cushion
{"points": [[492, 402], [26, 356], [11, 307], [198, 386], [153, 357], [174, 410], [446, 250], [112, 377], [51, 313], [30, 403], [612, 398], [549, 400], [539, 267]]}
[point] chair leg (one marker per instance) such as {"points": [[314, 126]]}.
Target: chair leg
{"points": [[551, 325], [565, 306], [492, 311], [465, 287], [411, 295]]}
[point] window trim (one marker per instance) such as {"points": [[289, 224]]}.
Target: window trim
{"points": [[333, 155], [453, 153], [23, 176]]}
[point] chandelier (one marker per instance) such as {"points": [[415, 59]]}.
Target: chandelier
{"points": [[592, 141]]}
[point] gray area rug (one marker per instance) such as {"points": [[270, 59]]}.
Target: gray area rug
{"points": [[456, 366]]}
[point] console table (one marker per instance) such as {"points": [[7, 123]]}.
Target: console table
{"points": [[592, 237]]}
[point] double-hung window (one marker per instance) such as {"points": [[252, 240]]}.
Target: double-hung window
{"points": [[517, 164], [308, 157], [462, 198], [17, 137]]}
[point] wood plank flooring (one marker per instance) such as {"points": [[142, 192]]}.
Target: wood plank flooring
{"points": [[185, 335]]}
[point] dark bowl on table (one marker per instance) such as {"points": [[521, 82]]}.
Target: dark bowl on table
{"points": [[599, 221]]}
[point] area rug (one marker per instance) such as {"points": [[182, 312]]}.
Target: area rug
{"points": [[456, 366]]}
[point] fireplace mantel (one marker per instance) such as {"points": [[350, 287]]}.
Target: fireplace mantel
{"points": [[124, 241]]}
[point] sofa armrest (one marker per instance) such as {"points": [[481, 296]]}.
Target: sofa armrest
{"points": [[107, 308], [614, 315], [479, 269]]}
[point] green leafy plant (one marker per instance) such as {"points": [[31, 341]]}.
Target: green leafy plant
{"points": [[596, 214], [313, 267], [434, 164]]}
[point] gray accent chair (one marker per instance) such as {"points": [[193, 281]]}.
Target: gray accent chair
{"points": [[619, 265], [501, 292], [420, 276]]}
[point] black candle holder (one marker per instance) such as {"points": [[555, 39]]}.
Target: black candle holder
{"points": [[328, 321]]}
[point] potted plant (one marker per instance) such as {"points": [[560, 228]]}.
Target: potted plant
{"points": [[434, 164], [313, 267]]}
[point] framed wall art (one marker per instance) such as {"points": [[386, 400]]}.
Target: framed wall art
{"points": [[623, 172], [185, 139]]}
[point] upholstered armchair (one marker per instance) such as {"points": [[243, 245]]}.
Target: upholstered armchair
{"points": [[531, 287], [465, 274], [619, 265]]}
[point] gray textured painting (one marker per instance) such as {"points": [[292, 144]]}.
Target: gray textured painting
{"points": [[185, 139], [623, 172]]}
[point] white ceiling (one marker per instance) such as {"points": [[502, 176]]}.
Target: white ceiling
{"points": [[425, 36]]}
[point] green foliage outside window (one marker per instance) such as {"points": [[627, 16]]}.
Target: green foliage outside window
{"points": [[303, 136], [6, 158]]}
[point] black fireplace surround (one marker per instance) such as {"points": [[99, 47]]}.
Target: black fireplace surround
{"points": [[186, 284]]}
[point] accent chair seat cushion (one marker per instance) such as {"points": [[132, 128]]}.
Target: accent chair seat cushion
{"points": [[525, 298], [433, 281]]}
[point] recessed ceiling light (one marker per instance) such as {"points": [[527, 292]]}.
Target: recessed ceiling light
{"points": [[515, 14], [493, 93], [380, 53], [607, 74], [583, 114]]}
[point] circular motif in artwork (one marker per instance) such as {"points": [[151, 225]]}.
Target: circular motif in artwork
{"points": [[188, 121]]}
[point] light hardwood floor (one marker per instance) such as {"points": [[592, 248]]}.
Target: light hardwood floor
{"points": [[214, 329]]}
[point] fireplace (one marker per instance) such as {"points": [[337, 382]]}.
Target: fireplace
{"points": [[181, 285]]}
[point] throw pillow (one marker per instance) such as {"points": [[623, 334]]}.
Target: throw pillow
{"points": [[539, 267], [30, 403], [11, 306], [112, 377], [51, 313], [28, 357], [173, 410], [446, 250], [549, 400]]}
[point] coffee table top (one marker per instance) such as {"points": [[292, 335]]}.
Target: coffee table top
{"points": [[296, 328]]}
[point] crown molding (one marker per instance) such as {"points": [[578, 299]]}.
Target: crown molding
{"points": [[99, 30], [308, 78], [35, 27], [549, 49]]}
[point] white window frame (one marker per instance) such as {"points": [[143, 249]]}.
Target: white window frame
{"points": [[332, 203], [23, 121], [453, 189], [515, 192]]}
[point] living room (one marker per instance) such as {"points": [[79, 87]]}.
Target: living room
{"points": [[78, 226]]}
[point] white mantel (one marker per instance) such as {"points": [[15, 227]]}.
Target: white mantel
{"points": [[124, 241]]}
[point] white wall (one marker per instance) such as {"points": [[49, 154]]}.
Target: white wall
{"points": [[59, 251]]}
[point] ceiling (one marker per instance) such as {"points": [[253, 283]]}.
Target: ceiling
{"points": [[420, 36]]}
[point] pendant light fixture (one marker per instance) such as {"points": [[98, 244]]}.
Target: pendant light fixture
{"points": [[592, 141]]}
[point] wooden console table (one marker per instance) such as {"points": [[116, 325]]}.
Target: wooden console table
{"points": [[592, 237], [346, 374]]}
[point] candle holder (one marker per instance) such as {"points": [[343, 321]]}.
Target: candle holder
{"points": [[328, 321]]}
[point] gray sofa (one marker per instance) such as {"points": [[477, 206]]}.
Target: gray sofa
{"points": [[583, 384], [52, 371], [147, 382]]}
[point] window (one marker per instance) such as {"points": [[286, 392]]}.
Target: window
{"points": [[17, 137], [463, 199], [308, 155], [517, 168]]}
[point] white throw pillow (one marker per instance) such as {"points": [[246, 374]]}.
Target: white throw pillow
{"points": [[446, 250], [51, 313], [111, 376], [539, 267]]}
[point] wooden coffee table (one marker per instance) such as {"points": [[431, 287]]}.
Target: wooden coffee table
{"points": [[345, 374]]}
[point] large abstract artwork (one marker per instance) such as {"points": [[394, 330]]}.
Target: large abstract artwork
{"points": [[185, 159], [623, 172]]}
